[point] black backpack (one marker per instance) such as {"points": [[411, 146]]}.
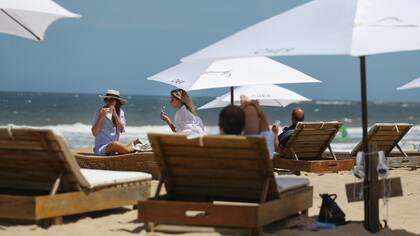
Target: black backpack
{"points": [[330, 212]]}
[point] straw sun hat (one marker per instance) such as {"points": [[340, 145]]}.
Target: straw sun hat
{"points": [[115, 94]]}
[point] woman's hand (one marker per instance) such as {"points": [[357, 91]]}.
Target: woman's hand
{"points": [[104, 111], [113, 111], [275, 130], [165, 117]]}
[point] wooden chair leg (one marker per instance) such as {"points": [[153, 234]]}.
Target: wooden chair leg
{"points": [[45, 223], [150, 226], [57, 220], [257, 231]]}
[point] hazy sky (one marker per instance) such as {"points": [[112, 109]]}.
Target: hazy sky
{"points": [[117, 44]]}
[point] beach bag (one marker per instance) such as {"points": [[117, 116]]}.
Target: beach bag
{"points": [[330, 212]]}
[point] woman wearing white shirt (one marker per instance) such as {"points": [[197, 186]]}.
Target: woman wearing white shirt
{"points": [[186, 119]]}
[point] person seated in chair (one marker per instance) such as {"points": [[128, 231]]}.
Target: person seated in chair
{"points": [[232, 120], [280, 142], [186, 119], [107, 125]]}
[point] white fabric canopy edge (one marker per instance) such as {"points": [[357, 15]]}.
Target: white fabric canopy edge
{"points": [[412, 84]]}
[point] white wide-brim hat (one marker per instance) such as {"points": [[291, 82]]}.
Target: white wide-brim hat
{"points": [[115, 94]]}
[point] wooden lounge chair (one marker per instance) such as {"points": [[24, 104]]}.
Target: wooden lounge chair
{"points": [[305, 149], [200, 173], [387, 136], [41, 181], [139, 161]]}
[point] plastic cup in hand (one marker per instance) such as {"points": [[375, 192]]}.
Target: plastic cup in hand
{"points": [[109, 115], [162, 112]]}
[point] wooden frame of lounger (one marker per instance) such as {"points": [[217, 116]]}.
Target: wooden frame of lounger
{"points": [[40, 179], [139, 161], [305, 148], [386, 136], [198, 172]]}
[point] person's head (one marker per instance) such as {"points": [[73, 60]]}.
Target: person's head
{"points": [[113, 98], [179, 98], [297, 115], [231, 120]]}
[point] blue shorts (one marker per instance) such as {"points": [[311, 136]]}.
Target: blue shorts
{"points": [[101, 150]]}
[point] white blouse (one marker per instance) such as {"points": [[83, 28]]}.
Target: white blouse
{"points": [[187, 122]]}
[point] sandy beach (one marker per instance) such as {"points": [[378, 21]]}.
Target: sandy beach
{"points": [[401, 213]]}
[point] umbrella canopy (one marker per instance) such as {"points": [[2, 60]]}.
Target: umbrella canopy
{"points": [[412, 84], [327, 27], [30, 18], [205, 74], [266, 94], [332, 27]]}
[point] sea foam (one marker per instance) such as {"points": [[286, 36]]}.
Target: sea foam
{"points": [[79, 135]]}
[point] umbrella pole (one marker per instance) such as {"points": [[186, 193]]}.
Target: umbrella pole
{"points": [[231, 96], [21, 25], [370, 190]]}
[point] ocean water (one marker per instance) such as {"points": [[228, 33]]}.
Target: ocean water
{"points": [[71, 115]]}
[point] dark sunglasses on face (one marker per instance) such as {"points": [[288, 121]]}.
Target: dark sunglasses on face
{"points": [[109, 99]]}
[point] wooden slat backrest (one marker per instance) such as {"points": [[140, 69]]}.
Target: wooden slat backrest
{"points": [[311, 139], [32, 159], [215, 167], [385, 135]]}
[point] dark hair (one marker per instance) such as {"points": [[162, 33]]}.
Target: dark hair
{"points": [[232, 120]]}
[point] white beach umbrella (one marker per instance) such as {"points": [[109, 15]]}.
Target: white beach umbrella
{"points": [[30, 18], [266, 94], [205, 74], [331, 27], [327, 27], [412, 84]]}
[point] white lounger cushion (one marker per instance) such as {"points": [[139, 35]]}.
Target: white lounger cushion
{"points": [[285, 183], [103, 178]]}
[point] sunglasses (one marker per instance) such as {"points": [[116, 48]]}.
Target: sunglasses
{"points": [[109, 99]]}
